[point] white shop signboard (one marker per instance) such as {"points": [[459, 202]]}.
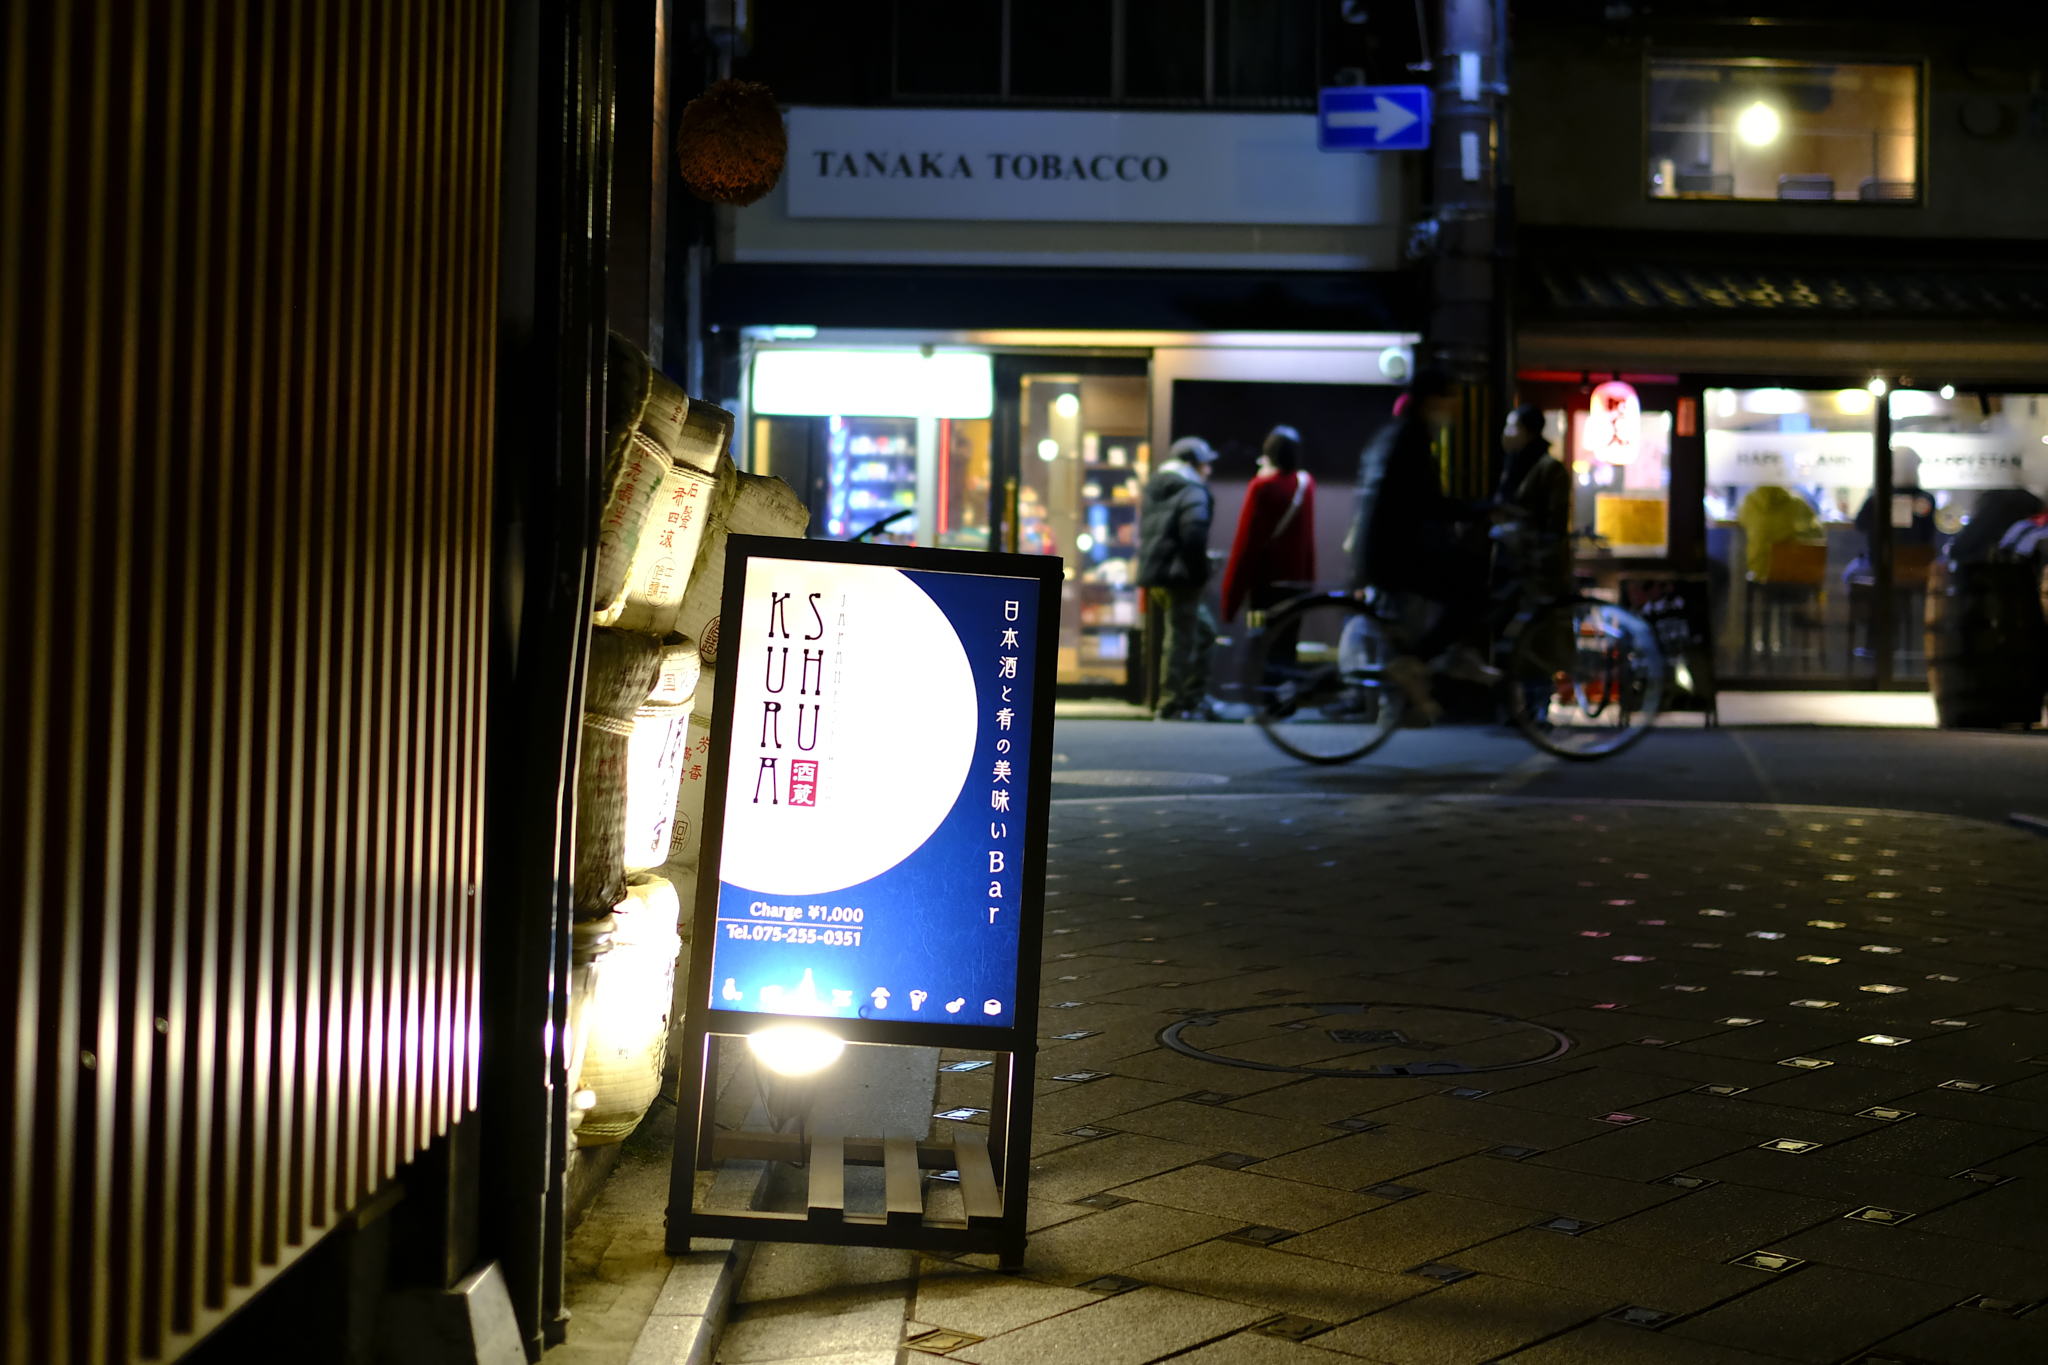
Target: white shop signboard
{"points": [[1829, 459], [1079, 166], [1998, 458]]}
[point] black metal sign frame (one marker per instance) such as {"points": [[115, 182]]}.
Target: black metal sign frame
{"points": [[994, 1172]]}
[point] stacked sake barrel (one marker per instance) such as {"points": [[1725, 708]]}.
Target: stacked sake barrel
{"points": [[671, 495]]}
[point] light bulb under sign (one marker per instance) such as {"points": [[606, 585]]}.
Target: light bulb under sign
{"points": [[1067, 405], [795, 1049], [1048, 449]]}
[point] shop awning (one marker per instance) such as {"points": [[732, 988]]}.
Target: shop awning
{"points": [[1643, 290]]}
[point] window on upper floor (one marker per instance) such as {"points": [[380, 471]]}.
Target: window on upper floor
{"points": [[1801, 131], [1233, 54]]}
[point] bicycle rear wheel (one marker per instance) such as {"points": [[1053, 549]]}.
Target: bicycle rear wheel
{"points": [[1319, 684], [1585, 678]]}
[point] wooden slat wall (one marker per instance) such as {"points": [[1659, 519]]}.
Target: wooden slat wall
{"points": [[247, 311]]}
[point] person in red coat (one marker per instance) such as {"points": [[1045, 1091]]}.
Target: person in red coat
{"points": [[1274, 555]]}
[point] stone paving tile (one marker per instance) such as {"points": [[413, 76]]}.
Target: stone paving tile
{"points": [[1818, 1313], [1145, 1059], [1108, 1242], [1254, 1348], [1843, 1087], [2025, 1115], [1274, 1279], [788, 1270], [1426, 1227], [1261, 1199], [1225, 1129], [1467, 1323], [987, 1304], [862, 1323], [1594, 1091], [1087, 1167], [1497, 1123], [1671, 1282], [1613, 1343], [1538, 1187], [1908, 1253], [1739, 1114], [1678, 1064], [2014, 1215], [1831, 1174], [1071, 1106], [1128, 1329], [1721, 1221], [1969, 1336], [1647, 1151], [1323, 1099], [1371, 1158]]}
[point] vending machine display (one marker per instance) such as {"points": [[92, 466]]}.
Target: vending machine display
{"points": [[871, 472]]}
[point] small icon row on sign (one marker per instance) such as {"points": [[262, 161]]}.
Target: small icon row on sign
{"points": [[880, 995]]}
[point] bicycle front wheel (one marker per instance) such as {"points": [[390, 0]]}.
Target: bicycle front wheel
{"points": [[1585, 678], [1319, 684]]}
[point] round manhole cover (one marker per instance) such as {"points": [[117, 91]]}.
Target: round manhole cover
{"points": [[1135, 777], [1364, 1039]]}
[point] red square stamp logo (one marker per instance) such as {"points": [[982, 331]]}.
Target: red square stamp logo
{"points": [[803, 782]]}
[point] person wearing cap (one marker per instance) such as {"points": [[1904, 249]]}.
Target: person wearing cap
{"points": [[1173, 562], [1405, 539], [1273, 556]]}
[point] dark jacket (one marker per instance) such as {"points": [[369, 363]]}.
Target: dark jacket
{"points": [[1173, 529], [1542, 487], [1402, 511]]}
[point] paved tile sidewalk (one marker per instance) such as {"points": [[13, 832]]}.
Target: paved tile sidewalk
{"points": [[1800, 1117]]}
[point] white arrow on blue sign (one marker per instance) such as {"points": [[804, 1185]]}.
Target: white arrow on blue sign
{"points": [[1373, 118]]}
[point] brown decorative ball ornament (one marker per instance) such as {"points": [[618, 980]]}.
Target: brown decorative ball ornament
{"points": [[731, 144]]}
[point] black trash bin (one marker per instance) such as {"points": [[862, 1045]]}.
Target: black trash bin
{"points": [[1987, 645]]}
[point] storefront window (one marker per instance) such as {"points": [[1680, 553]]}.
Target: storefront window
{"points": [[1621, 504], [1965, 468], [1788, 472], [1754, 128], [1620, 457]]}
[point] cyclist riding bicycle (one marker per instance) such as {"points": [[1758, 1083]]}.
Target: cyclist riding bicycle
{"points": [[1405, 538]]}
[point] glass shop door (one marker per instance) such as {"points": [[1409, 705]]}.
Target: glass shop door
{"points": [[1074, 458]]}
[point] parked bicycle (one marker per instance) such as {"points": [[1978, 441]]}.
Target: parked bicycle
{"points": [[1583, 678]]}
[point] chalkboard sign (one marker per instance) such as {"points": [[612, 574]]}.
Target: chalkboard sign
{"points": [[1679, 607], [876, 821]]}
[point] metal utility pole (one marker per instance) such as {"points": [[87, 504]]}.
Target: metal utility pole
{"points": [[1467, 334]]}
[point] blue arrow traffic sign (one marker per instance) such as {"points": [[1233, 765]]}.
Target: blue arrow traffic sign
{"points": [[1373, 118]]}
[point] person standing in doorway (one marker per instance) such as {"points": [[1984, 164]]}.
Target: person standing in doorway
{"points": [[1273, 556], [1173, 561]]}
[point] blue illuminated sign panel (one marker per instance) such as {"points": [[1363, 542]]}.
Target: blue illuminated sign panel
{"points": [[881, 716], [1373, 118]]}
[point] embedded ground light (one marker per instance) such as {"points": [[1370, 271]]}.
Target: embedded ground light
{"points": [[795, 1049]]}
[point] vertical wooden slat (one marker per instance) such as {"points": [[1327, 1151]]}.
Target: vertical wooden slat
{"points": [[247, 327], [905, 1201], [827, 1199]]}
